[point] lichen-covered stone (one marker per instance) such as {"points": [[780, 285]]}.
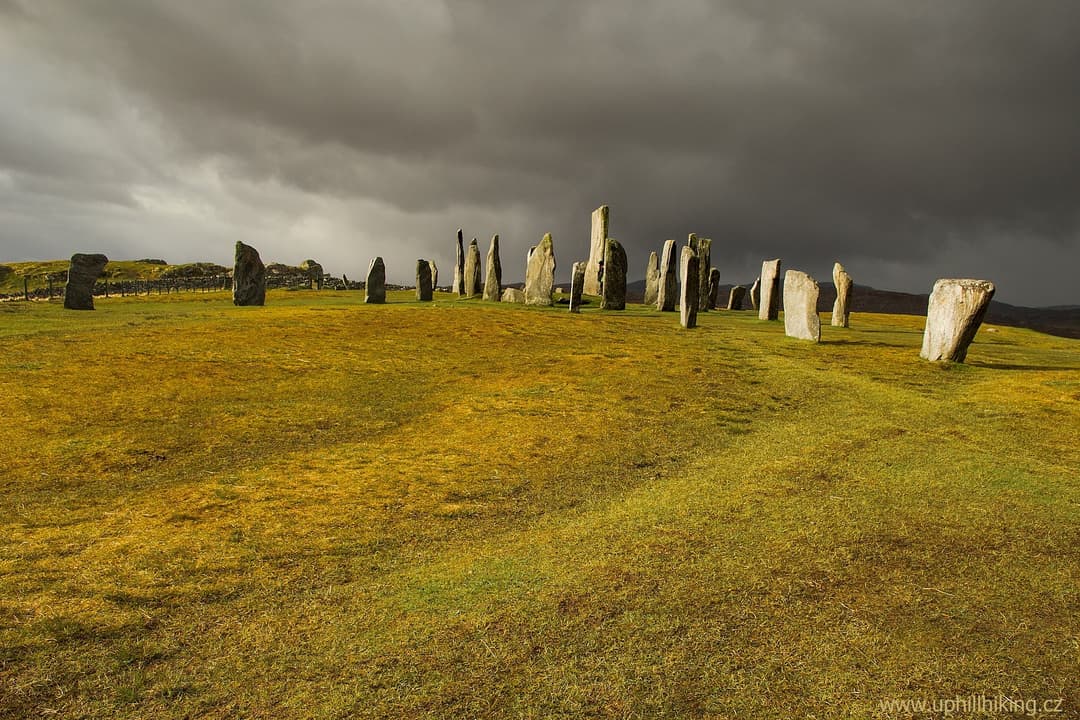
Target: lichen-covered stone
{"points": [[540, 273], [577, 285], [493, 278], [800, 306], [597, 239], [769, 302], [375, 286], [83, 273], [755, 294], [423, 281], [714, 287], [513, 295], [434, 275], [690, 277], [459, 266], [249, 277], [704, 253], [956, 310], [473, 282], [666, 289], [841, 310], [614, 284], [652, 279]]}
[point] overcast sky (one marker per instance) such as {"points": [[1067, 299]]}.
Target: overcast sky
{"points": [[908, 139]]}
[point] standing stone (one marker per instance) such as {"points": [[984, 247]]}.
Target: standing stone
{"points": [[704, 253], [249, 277], [755, 294], [690, 277], [841, 309], [83, 273], [493, 281], [459, 267], [513, 295], [597, 248], [540, 273], [652, 279], [314, 272], [956, 311], [800, 306], [614, 283], [666, 288], [473, 283], [735, 298], [769, 302], [714, 287], [434, 274], [375, 287], [577, 286], [423, 281]]}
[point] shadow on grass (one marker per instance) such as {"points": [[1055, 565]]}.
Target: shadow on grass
{"points": [[1016, 366]]}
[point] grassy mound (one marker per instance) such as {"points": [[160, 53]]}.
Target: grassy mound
{"points": [[461, 509]]}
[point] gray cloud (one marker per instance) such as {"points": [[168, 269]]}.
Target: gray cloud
{"points": [[910, 140]]}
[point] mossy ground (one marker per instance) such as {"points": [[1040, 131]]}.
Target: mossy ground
{"points": [[460, 509]]}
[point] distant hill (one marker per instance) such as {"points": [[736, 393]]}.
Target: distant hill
{"points": [[1061, 320]]}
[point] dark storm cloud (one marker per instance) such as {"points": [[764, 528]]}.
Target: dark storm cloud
{"points": [[901, 138]]}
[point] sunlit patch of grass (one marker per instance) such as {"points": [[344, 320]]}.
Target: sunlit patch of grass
{"points": [[456, 509]]}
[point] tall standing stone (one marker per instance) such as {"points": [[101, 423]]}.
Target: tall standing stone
{"points": [[666, 288], [249, 277], [577, 286], [423, 280], [614, 284], [473, 282], [714, 287], [841, 309], [704, 253], [800, 306], [434, 274], [375, 287], [755, 294], [956, 310], [736, 297], [493, 279], [769, 303], [459, 267], [540, 273], [652, 279], [83, 273], [690, 277], [597, 249]]}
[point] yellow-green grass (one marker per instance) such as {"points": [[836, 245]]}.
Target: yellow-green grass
{"points": [[321, 508]]}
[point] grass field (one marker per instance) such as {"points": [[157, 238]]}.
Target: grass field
{"points": [[466, 510]]}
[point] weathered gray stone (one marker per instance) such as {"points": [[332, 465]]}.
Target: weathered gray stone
{"points": [[375, 287], [614, 283], [314, 273], [493, 277], [714, 287], [593, 271], [83, 273], [423, 280], [459, 266], [577, 285], [736, 297], [755, 294], [841, 309], [474, 285], [690, 277], [540, 273], [800, 306], [652, 280], [956, 310], [513, 295], [669, 267], [434, 275], [769, 302], [249, 277]]}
